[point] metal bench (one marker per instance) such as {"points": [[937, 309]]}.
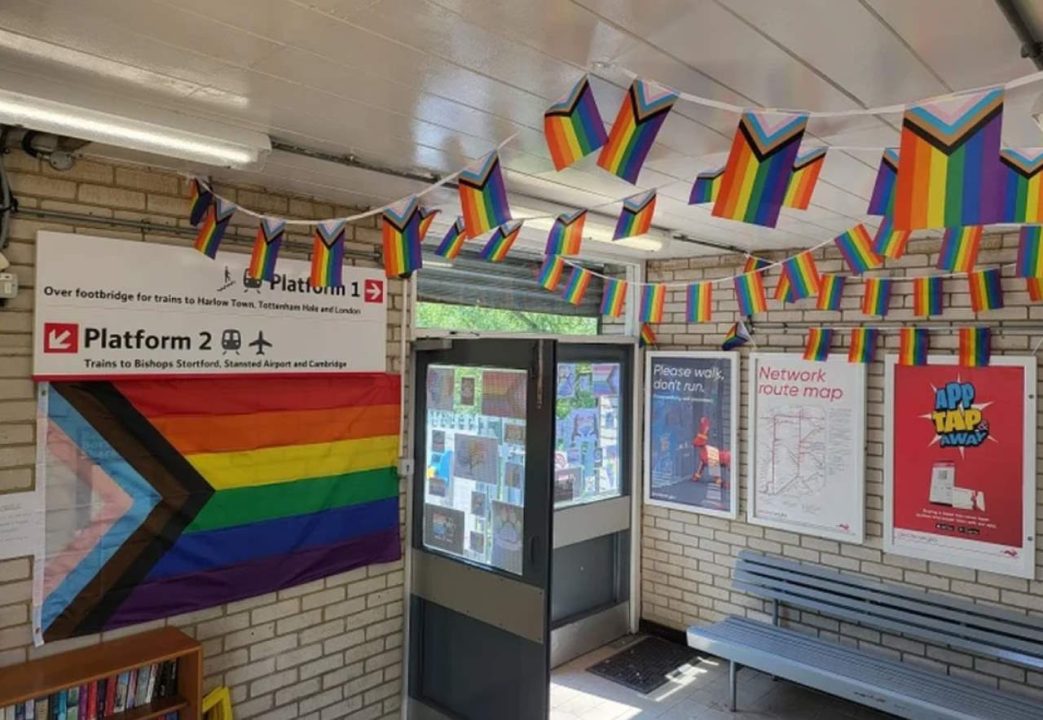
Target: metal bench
{"points": [[899, 688]]}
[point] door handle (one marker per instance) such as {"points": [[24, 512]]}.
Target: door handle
{"points": [[533, 546]]}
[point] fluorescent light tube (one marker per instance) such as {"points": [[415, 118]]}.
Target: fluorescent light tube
{"points": [[238, 149]]}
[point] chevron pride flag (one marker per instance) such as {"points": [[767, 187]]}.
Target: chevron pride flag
{"points": [[201, 198], [500, 242], [573, 127], [401, 234], [636, 216], [566, 235], [327, 254], [483, 196], [1021, 193], [881, 202], [950, 168], [759, 167], [267, 242], [201, 492], [707, 187], [806, 169], [453, 242], [215, 222], [427, 216], [638, 122]]}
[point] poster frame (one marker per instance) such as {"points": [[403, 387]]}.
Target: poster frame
{"points": [[1025, 565], [859, 516], [733, 358]]}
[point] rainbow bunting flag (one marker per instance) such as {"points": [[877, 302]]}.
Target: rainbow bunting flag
{"points": [[863, 345], [636, 216], [402, 236], [830, 292], [653, 298], [267, 243], [214, 224], [749, 293], [986, 290], [327, 254], [856, 247], [950, 170], [802, 275], [1030, 252], [877, 297], [888, 242], [647, 337], [201, 198], [640, 116], [759, 167], [912, 346], [453, 242], [806, 169], [566, 235], [700, 302], [736, 336], [613, 297], [576, 287], [706, 187], [1021, 188], [550, 272], [784, 289], [1034, 286], [959, 249], [881, 202], [927, 296], [483, 196], [975, 346], [573, 127], [427, 216], [753, 263], [817, 346], [500, 242]]}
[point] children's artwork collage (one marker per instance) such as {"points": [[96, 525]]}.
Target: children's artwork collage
{"points": [[587, 432]]}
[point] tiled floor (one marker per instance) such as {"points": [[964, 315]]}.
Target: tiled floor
{"points": [[700, 692]]}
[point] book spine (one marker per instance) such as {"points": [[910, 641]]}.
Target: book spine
{"points": [[30, 710], [43, 708], [72, 711], [63, 705], [81, 710], [92, 701], [110, 697], [132, 687]]}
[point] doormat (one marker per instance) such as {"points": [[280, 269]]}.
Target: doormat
{"points": [[646, 665]]}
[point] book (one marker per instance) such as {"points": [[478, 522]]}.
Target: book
{"points": [[43, 708], [92, 701], [120, 702], [81, 707], [145, 683], [63, 705], [8, 712], [72, 708], [132, 687], [110, 697], [19, 711], [30, 710]]}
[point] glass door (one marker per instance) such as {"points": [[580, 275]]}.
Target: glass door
{"points": [[480, 563]]}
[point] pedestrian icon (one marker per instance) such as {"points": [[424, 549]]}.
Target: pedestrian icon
{"points": [[231, 341], [260, 343], [228, 282]]}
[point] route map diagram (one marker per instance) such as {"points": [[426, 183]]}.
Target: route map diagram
{"points": [[793, 452]]}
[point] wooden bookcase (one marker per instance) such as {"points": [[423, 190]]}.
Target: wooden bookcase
{"points": [[39, 678]]}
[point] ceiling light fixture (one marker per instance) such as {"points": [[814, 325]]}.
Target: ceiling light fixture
{"points": [[233, 148]]}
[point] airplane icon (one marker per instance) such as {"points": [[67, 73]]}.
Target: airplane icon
{"points": [[260, 343]]}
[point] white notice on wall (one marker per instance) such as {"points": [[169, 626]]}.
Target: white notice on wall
{"points": [[112, 308], [806, 449], [21, 524]]}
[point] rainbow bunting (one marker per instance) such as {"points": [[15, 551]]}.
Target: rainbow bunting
{"points": [[749, 293], [830, 292], [753, 263], [877, 297], [960, 248], [975, 346], [736, 336], [888, 242], [453, 242], [706, 187], [817, 346], [856, 247], [576, 287], [573, 127], [267, 243], [950, 170], [401, 223], [802, 275], [327, 254], [427, 216], [700, 302], [636, 217], [1034, 286], [499, 243], [653, 298], [806, 169], [613, 297], [784, 290], [647, 337], [214, 224], [483, 196], [551, 271], [640, 116], [882, 200], [863, 345], [912, 346], [927, 296], [1030, 252], [986, 290], [566, 235], [759, 167], [1021, 188], [201, 198]]}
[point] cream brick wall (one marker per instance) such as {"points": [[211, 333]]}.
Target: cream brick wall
{"points": [[688, 558], [331, 648]]}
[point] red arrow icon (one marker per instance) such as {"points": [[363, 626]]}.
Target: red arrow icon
{"points": [[373, 291], [61, 337]]}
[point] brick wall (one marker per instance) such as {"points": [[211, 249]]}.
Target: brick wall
{"points": [[688, 558], [328, 649]]}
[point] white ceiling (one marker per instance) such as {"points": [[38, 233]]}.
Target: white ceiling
{"points": [[432, 84]]}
